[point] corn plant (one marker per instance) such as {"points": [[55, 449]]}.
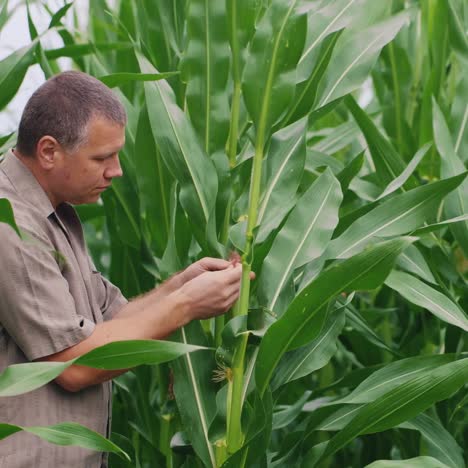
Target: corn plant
{"points": [[249, 136]]}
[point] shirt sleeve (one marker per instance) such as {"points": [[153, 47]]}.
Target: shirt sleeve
{"points": [[36, 307], [109, 296]]}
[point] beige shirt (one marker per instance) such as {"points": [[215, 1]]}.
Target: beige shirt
{"points": [[51, 298]]}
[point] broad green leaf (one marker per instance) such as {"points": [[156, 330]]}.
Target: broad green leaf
{"points": [[402, 403], [419, 293], [406, 174], [79, 50], [393, 375], [287, 415], [118, 79], [441, 444], [303, 361], [205, 69], [399, 215], [269, 74], [314, 159], [355, 320], [388, 163], [303, 238], [350, 171], [195, 393], [353, 57], [283, 171], [22, 378], [413, 261], [306, 90], [329, 18], [334, 139], [183, 156], [121, 206], [418, 462], [7, 216], [241, 17], [154, 184], [59, 14], [457, 30], [131, 353], [440, 225], [7, 142], [303, 320], [67, 434], [12, 71], [4, 14], [459, 121], [74, 434], [456, 204]]}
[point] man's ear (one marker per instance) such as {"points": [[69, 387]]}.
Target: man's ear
{"points": [[48, 151]]}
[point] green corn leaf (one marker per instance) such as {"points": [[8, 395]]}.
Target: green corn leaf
{"points": [[154, 197], [329, 18], [118, 79], [456, 204], [12, 72], [75, 51], [346, 175], [334, 139], [283, 172], [187, 162], [414, 262], [459, 124], [388, 163], [406, 174], [67, 434], [353, 57], [58, 15], [441, 444], [419, 293], [269, 73], [398, 215], [355, 320], [22, 378], [418, 462], [393, 375], [195, 393], [303, 361], [402, 403], [205, 69], [302, 322], [7, 216], [302, 239], [457, 29]]}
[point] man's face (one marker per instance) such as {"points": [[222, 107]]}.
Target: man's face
{"points": [[81, 176]]}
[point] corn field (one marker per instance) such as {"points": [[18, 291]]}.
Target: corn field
{"points": [[325, 143]]}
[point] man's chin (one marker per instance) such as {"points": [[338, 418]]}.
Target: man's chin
{"points": [[85, 201]]}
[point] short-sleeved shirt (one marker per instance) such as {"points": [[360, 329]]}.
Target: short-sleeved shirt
{"points": [[51, 298]]}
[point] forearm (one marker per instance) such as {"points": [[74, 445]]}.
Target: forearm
{"points": [[145, 320], [156, 294]]}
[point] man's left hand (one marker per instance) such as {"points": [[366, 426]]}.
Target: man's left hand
{"points": [[202, 266]]}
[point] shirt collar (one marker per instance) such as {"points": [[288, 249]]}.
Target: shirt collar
{"points": [[26, 184]]}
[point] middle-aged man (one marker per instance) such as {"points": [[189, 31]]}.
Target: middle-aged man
{"points": [[54, 305]]}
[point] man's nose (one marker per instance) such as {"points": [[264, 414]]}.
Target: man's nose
{"points": [[114, 169]]}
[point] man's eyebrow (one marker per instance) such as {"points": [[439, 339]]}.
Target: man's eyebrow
{"points": [[108, 155]]}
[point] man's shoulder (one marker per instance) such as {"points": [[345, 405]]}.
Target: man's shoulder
{"points": [[27, 217]]}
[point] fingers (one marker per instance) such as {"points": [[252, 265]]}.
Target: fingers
{"points": [[214, 264]]}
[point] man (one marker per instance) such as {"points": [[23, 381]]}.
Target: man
{"points": [[54, 306]]}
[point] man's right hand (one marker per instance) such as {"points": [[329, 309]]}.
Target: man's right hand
{"points": [[211, 293]]}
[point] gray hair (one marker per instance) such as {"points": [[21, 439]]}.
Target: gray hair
{"points": [[62, 107]]}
